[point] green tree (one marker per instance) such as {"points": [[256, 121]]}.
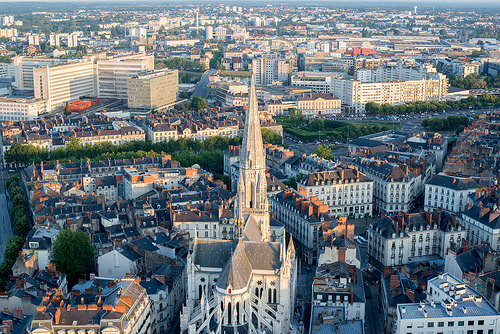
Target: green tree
{"points": [[198, 103], [67, 112], [271, 137], [325, 152], [18, 199], [73, 254], [5, 59], [22, 226]]}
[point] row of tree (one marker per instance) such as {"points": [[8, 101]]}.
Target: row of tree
{"points": [[21, 225], [451, 123], [482, 101]]}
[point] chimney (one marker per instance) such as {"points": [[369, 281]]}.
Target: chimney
{"points": [[394, 281], [342, 254], [388, 271]]}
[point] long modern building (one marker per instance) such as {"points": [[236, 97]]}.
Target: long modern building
{"points": [[60, 83]]}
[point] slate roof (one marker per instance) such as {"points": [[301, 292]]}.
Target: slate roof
{"points": [[458, 183], [237, 272], [212, 253], [490, 219], [472, 260]]}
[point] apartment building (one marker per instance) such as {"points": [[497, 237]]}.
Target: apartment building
{"points": [[60, 83], [395, 188], [482, 223], [451, 306], [408, 237], [345, 190], [450, 192], [113, 73], [270, 71], [124, 301], [19, 108], [153, 90], [355, 94], [302, 217]]}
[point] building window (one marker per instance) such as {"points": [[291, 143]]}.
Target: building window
{"points": [[430, 324], [461, 323], [441, 324]]}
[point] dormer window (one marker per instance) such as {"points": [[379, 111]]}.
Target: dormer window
{"points": [[34, 245]]}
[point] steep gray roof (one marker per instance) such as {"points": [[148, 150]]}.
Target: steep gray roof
{"points": [[212, 253], [237, 272]]}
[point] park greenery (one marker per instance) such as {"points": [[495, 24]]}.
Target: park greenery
{"points": [[21, 224], [451, 123], [5, 59], [474, 81], [317, 129], [481, 101], [73, 255], [179, 63]]}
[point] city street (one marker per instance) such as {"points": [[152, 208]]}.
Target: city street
{"points": [[201, 87], [5, 225]]}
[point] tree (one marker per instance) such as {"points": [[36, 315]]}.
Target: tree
{"points": [[22, 226], [325, 152], [271, 137], [73, 254], [5, 59], [66, 109], [198, 103], [18, 199]]}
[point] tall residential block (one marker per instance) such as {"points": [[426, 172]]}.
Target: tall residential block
{"points": [[153, 89], [269, 71]]}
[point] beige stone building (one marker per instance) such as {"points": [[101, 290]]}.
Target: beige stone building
{"points": [[153, 89], [319, 104]]}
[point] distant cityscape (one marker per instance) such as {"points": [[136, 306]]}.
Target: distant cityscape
{"points": [[249, 168]]}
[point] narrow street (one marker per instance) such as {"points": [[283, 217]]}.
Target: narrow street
{"points": [[5, 225]]}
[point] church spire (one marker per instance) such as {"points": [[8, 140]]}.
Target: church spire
{"points": [[252, 154], [252, 185]]}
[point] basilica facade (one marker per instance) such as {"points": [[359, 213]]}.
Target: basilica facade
{"points": [[246, 285]]}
